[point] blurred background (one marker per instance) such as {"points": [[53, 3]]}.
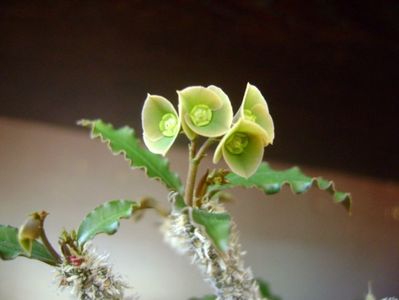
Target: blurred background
{"points": [[328, 68]]}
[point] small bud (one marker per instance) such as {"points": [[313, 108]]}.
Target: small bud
{"points": [[204, 111], [217, 177], [29, 231], [161, 124]]}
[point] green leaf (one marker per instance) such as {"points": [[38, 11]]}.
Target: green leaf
{"points": [[207, 297], [10, 248], [105, 219], [264, 290], [271, 181], [216, 225], [124, 141]]}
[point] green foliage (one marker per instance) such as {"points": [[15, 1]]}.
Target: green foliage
{"points": [[105, 219], [207, 297], [10, 247], [265, 290], [216, 225], [271, 181], [124, 141], [28, 232]]}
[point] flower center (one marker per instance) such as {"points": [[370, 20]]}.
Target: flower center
{"points": [[237, 143], [201, 115], [248, 114], [168, 125]]}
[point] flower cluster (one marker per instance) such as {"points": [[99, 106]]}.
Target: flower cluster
{"points": [[207, 112]]}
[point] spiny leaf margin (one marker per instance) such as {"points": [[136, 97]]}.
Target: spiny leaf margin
{"points": [[271, 181], [154, 165], [11, 249], [105, 219]]}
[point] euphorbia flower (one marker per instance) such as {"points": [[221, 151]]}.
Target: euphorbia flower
{"points": [[242, 147], [254, 108], [161, 124], [204, 111]]}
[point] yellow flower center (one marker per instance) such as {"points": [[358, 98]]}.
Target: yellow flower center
{"points": [[248, 114], [168, 125], [201, 115], [237, 143]]}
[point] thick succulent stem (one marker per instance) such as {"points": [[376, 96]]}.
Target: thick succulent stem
{"points": [[90, 276], [225, 272]]}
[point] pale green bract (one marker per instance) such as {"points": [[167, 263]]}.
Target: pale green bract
{"points": [[255, 109], [10, 248], [29, 232], [242, 147], [204, 111], [161, 124]]}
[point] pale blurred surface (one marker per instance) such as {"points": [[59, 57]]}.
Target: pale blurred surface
{"points": [[305, 246]]}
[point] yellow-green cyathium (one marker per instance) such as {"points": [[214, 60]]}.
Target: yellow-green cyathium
{"points": [[29, 231], [207, 111], [161, 124], [204, 111], [254, 108], [242, 147]]}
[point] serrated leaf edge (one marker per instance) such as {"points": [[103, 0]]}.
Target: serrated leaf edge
{"points": [[117, 222], [345, 199], [93, 135]]}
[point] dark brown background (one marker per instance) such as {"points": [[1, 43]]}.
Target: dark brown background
{"points": [[327, 67]]}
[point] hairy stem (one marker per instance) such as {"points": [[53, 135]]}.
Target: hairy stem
{"points": [[225, 272]]}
